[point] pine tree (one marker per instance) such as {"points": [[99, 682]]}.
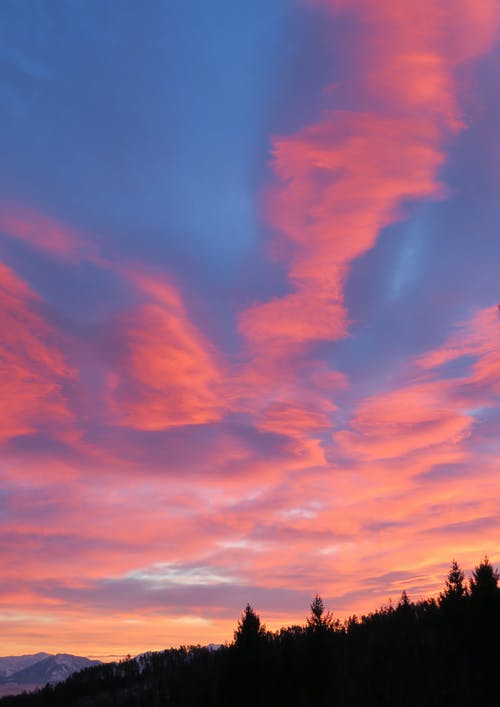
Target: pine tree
{"points": [[455, 589], [404, 602], [484, 581], [249, 630], [319, 620]]}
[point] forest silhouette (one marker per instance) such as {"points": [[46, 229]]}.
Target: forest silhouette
{"points": [[429, 653]]}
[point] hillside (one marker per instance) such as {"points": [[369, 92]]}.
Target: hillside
{"points": [[12, 663], [431, 653], [29, 672]]}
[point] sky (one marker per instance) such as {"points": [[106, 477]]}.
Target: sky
{"points": [[249, 322]]}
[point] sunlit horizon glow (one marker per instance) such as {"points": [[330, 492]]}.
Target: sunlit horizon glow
{"points": [[250, 341]]}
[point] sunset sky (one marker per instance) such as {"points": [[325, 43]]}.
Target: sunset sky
{"points": [[249, 333]]}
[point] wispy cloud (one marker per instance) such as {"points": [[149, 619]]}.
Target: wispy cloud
{"points": [[166, 460]]}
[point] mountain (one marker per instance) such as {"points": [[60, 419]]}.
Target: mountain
{"points": [[27, 672], [12, 663]]}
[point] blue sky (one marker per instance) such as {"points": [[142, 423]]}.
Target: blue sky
{"points": [[248, 297]]}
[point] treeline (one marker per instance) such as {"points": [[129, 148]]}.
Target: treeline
{"points": [[431, 653]]}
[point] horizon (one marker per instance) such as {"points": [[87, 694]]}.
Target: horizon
{"points": [[249, 313], [389, 604]]}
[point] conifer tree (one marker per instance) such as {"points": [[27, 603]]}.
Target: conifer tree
{"points": [[319, 620], [455, 589], [404, 602], [249, 630], [484, 581]]}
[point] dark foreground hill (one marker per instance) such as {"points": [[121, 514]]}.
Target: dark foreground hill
{"points": [[426, 654]]}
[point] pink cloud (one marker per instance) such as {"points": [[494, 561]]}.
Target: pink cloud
{"points": [[343, 179], [478, 339], [33, 371], [432, 410], [401, 421], [167, 374], [346, 177], [47, 234], [335, 517]]}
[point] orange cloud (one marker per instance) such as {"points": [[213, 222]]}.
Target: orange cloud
{"points": [[411, 50], [340, 182], [427, 412], [345, 178], [33, 370], [344, 181], [166, 373], [335, 518], [479, 340], [399, 422]]}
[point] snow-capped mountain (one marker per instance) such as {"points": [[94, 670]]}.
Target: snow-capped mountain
{"points": [[28, 672], [12, 663]]}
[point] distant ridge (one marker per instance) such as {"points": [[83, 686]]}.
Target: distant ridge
{"points": [[12, 663], [28, 672]]}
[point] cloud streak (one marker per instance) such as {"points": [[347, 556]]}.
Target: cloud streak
{"points": [[34, 371], [161, 467], [165, 373]]}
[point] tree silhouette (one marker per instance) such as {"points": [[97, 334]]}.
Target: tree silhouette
{"points": [[404, 601], [317, 609], [422, 653], [248, 668], [484, 581], [319, 620], [319, 636], [249, 630], [455, 589]]}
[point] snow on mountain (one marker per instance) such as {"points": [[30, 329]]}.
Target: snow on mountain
{"points": [[53, 668], [31, 671], [12, 663]]}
